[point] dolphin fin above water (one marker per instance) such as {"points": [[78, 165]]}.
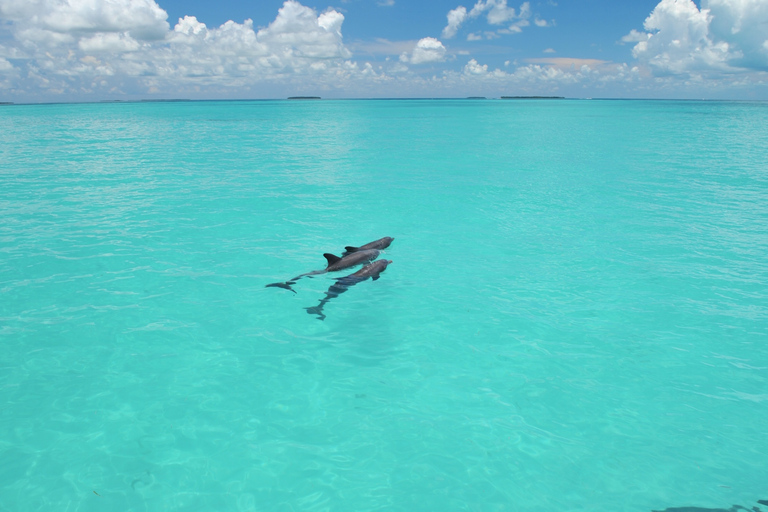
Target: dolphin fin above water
{"points": [[332, 258]]}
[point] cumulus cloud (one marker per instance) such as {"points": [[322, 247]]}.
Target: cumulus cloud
{"points": [[427, 49], [473, 68], [86, 49], [109, 42], [722, 36], [128, 43], [143, 19], [497, 12], [743, 24], [298, 31], [298, 41]]}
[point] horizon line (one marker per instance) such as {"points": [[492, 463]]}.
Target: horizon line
{"points": [[407, 98]]}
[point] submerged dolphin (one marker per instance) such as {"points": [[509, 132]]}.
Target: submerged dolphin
{"points": [[381, 243], [342, 284], [334, 264], [734, 508]]}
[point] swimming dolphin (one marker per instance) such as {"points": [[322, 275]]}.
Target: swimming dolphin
{"points": [[334, 264], [342, 284], [381, 243]]}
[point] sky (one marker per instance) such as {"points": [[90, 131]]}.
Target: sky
{"points": [[95, 50]]}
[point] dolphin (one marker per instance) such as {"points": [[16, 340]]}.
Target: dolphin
{"points": [[335, 263], [342, 284], [381, 243]]}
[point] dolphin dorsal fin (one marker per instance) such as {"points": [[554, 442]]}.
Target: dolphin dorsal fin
{"points": [[349, 248], [331, 258]]}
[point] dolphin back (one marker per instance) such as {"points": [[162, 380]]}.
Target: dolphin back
{"points": [[351, 260], [380, 244]]}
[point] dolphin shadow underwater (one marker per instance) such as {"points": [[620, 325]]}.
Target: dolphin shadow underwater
{"points": [[335, 264], [735, 508], [342, 284]]}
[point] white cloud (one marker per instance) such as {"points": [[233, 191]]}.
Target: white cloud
{"points": [[299, 32], [455, 18], [744, 25], [473, 68], [514, 29], [12, 52], [635, 36], [109, 42], [722, 36], [570, 64], [427, 49], [497, 12], [144, 19], [127, 44], [90, 49]]}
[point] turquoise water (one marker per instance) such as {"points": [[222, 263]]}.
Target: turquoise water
{"points": [[576, 316]]}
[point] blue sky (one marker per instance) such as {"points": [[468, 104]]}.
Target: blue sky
{"points": [[70, 50], [588, 27]]}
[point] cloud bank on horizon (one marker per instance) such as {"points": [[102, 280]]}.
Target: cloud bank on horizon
{"points": [[96, 49]]}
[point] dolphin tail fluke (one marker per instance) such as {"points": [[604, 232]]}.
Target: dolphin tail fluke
{"points": [[285, 286], [316, 310]]}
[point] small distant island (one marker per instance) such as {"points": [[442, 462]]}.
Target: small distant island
{"points": [[303, 97], [533, 97], [476, 97], [160, 100]]}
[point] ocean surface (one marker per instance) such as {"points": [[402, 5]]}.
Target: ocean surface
{"points": [[575, 319]]}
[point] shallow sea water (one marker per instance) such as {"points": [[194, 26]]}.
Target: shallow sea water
{"points": [[576, 317]]}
